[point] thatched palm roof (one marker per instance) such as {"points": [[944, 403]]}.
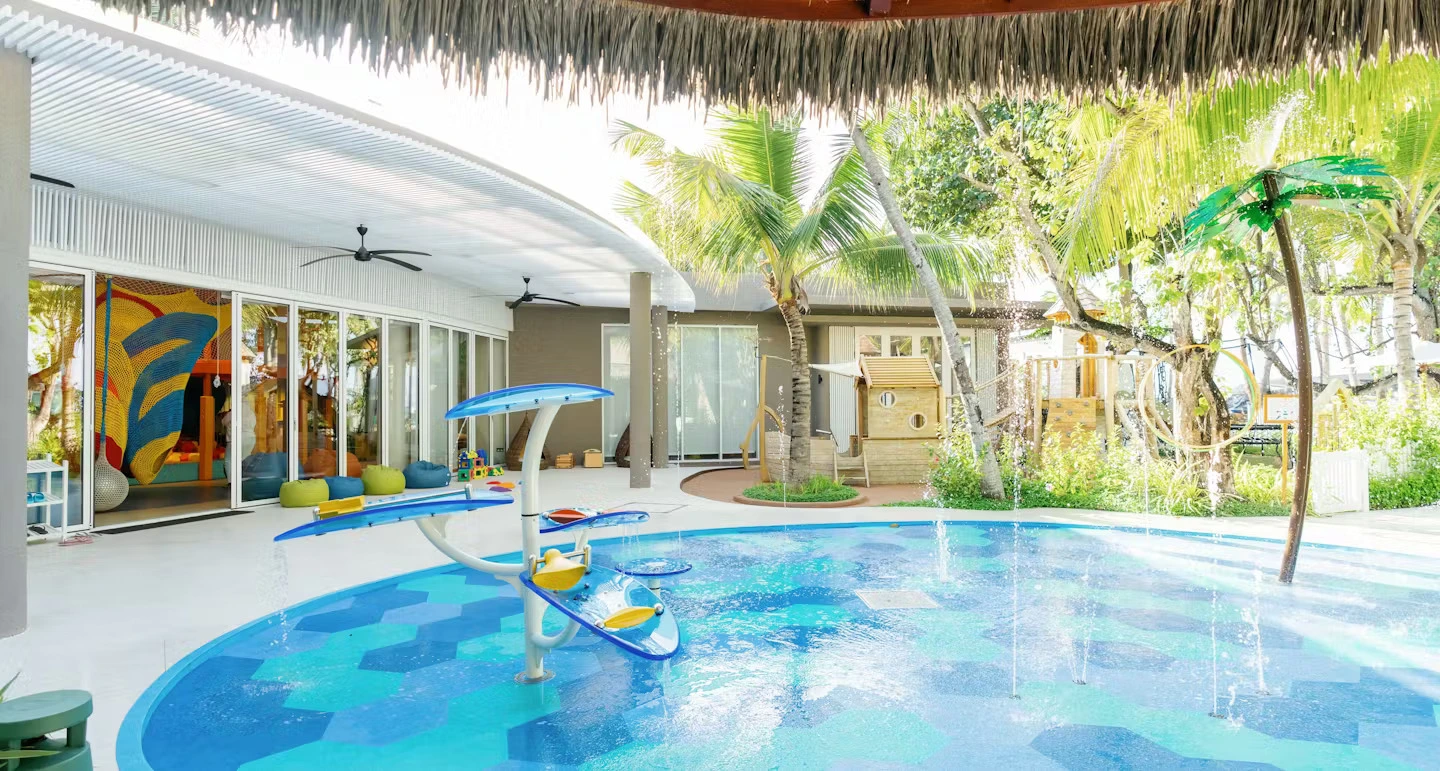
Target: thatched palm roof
{"points": [[668, 53]]}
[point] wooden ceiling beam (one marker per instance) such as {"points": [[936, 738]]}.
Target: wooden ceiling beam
{"points": [[875, 10]]}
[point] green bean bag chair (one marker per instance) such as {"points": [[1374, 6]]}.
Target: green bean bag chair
{"points": [[422, 474], [304, 493], [382, 480]]}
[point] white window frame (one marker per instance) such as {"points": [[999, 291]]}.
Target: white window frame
{"points": [[914, 334]]}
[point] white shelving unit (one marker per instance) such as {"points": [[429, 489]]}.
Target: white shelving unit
{"points": [[55, 475]]}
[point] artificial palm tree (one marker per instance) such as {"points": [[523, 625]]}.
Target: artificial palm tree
{"points": [[755, 201], [1260, 203]]}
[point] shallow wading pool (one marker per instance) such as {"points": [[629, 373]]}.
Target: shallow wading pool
{"points": [[928, 645]]}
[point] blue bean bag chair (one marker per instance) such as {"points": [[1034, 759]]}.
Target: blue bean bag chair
{"points": [[423, 473], [345, 487]]}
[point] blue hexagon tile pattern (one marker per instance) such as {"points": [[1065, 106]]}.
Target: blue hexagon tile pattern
{"points": [[1041, 647]]}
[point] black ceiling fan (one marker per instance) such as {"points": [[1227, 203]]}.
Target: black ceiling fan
{"points": [[365, 255], [529, 297]]}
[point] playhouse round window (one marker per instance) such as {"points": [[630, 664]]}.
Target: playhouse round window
{"points": [[887, 399], [917, 421]]}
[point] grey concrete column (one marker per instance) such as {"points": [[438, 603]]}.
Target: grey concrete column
{"points": [[14, 330], [660, 411], [640, 380]]}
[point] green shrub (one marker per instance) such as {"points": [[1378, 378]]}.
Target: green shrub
{"points": [[818, 490], [1406, 434]]}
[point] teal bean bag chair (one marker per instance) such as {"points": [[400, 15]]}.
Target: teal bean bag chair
{"points": [[423, 473], [304, 493], [382, 480], [344, 487]]}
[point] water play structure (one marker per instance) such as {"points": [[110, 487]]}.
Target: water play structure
{"points": [[615, 606]]}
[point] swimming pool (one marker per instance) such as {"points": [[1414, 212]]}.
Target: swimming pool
{"points": [[925, 645]]}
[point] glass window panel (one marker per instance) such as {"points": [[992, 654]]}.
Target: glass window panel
{"points": [[739, 370], [264, 440], [868, 345], [900, 346], [439, 394], [615, 374], [482, 385], [931, 348], [460, 429], [403, 409], [55, 395], [700, 391], [672, 365], [319, 383], [362, 392]]}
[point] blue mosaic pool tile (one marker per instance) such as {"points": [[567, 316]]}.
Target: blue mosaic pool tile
{"points": [[387, 720], [340, 620], [1094, 747], [241, 719], [388, 598], [408, 656], [423, 613], [783, 667]]}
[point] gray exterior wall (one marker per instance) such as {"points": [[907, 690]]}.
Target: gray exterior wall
{"points": [[562, 344]]}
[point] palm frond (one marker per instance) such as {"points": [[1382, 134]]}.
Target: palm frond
{"points": [[876, 267], [767, 150]]}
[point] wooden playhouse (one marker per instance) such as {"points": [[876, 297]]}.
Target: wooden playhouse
{"points": [[899, 404]]}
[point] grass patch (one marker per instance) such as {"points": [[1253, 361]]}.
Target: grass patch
{"points": [[817, 490]]}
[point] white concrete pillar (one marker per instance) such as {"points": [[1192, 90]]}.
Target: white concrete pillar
{"points": [[660, 355], [641, 401], [14, 262]]}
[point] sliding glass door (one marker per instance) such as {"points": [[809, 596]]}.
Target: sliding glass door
{"points": [[713, 388], [402, 404], [264, 442], [363, 388], [319, 397]]}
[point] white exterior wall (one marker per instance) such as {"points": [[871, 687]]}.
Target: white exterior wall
{"points": [[89, 231]]}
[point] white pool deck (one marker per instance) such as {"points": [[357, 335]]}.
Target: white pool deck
{"points": [[111, 616]]}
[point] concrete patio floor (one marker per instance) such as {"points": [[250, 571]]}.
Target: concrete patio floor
{"points": [[111, 616]]}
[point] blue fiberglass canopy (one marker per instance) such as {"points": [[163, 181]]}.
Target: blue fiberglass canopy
{"points": [[526, 397]]}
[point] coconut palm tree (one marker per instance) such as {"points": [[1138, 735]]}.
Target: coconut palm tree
{"points": [[990, 483], [755, 201]]}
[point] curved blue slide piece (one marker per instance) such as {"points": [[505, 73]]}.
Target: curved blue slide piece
{"points": [[602, 593], [526, 397], [596, 519], [399, 511]]}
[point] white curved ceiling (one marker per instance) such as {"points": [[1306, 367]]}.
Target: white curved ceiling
{"points": [[126, 116]]}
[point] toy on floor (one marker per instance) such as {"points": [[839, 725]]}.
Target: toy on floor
{"points": [[615, 607]]}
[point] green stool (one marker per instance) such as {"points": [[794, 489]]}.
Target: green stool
{"points": [[25, 721]]}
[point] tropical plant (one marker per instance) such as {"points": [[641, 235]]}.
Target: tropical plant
{"points": [[1259, 204], [755, 201]]}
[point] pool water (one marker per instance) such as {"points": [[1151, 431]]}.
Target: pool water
{"points": [[1011, 647]]}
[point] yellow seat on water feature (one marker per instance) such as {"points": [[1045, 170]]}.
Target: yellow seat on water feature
{"points": [[558, 573], [635, 615]]}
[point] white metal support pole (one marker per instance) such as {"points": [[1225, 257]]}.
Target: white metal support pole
{"points": [[640, 380], [14, 331], [530, 541]]}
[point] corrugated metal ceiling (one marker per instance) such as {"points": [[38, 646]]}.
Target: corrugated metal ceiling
{"points": [[124, 116]]}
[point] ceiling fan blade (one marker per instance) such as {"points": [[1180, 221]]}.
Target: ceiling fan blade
{"points": [[513, 304], [401, 263], [322, 259], [400, 251], [337, 248], [556, 300]]}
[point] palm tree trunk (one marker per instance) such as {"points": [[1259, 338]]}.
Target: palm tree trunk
{"points": [[1305, 426], [798, 470], [990, 483], [1403, 291]]}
